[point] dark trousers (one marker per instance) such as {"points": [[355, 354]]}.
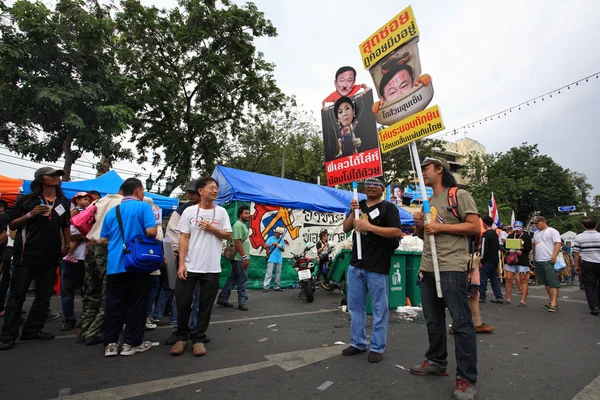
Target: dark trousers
{"points": [[6, 274], [590, 276], [184, 295], [490, 271], [71, 278], [126, 303], [44, 287], [455, 298]]}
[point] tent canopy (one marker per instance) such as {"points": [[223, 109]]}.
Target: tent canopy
{"points": [[568, 236], [107, 184], [406, 217], [238, 185], [10, 189]]}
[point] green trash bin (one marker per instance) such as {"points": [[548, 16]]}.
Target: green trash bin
{"points": [[339, 266], [413, 264], [396, 282]]}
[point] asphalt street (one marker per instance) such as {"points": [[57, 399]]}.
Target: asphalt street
{"points": [[285, 347]]}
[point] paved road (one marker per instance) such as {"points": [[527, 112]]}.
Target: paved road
{"points": [[532, 355]]}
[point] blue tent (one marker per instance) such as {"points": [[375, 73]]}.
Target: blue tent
{"points": [[406, 217], [238, 185], [105, 184]]}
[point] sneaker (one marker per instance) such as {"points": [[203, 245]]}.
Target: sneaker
{"points": [[150, 325], [265, 290], [172, 339], [93, 340], [178, 348], [111, 350], [278, 289], [39, 336], [129, 350], [7, 344], [50, 316], [497, 301], [375, 357], [243, 307], [595, 311], [545, 305], [465, 390], [224, 304], [154, 320], [352, 351], [67, 326], [71, 259], [428, 369], [199, 350], [552, 308]]}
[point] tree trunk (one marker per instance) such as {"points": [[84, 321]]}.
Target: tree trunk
{"points": [[68, 156], [102, 167]]}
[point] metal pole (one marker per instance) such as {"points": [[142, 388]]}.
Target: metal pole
{"points": [[356, 217], [427, 211], [283, 162]]}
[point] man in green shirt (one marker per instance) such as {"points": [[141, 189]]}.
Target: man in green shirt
{"points": [[240, 264]]}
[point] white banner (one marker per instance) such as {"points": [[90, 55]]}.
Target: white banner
{"points": [[300, 226]]}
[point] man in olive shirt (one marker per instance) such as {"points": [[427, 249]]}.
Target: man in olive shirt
{"points": [[452, 244], [240, 264]]}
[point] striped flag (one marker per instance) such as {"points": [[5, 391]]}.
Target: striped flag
{"points": [[494, 212]]}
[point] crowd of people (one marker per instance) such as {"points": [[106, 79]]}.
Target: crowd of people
{"points": [[116, 301]]}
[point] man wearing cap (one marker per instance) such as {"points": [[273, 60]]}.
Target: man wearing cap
{"points": [[452, 244], [379, 227], [42, 223], [274, 246], [521, 269], [546, 246]]}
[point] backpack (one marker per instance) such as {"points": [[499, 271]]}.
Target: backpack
{"points": [[474, 240], [393, 243]]}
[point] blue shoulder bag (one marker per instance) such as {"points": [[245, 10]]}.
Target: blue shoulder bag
{"points": [[143, 255]]}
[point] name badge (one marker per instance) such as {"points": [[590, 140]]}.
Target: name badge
{"points": [[60, 210], [374, 214]]}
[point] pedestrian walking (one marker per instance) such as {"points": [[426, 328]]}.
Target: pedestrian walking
{"points": [[586, 252], [547, 244]]}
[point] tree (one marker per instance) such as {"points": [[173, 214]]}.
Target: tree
{"points": [[198, 78], [61, 91], [582, 189], [522, 179], [398, 166]]}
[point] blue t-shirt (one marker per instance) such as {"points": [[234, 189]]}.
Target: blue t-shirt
{"points": [[276, 256], [137, 216]]}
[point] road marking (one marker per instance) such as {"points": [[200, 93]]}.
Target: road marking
{"points": [[590, 392], [232, 321], [287, 361], [64, 392], [325, 385]]}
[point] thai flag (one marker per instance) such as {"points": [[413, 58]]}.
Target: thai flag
{"points": [[494, 212]]}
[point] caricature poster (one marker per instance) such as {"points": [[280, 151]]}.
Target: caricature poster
{"points": [[350, 131]]}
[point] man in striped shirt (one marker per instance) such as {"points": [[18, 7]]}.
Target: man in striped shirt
{"points": [[586, 251]]}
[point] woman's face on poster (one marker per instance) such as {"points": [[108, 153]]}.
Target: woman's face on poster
{"points": [[345, 114]]}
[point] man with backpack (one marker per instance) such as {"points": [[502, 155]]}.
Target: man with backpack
{"points": [[379, 227], [454, 217]]}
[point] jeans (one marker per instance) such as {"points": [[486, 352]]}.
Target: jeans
{"points": [[455, 292], [71, 278], [590, 276], [126, 304], [152, 293], [239, 278], [269, 274], [184, 294], [6, 275], [44, 287], [360, 282], [161, 304], [491, 271]]}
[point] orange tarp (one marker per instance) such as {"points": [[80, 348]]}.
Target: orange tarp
{"points": [[10, 189]]}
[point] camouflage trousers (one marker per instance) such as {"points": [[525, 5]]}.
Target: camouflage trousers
{"points": [[94, 292]]}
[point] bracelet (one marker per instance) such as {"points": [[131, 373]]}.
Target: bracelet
{"points": [[244, 257], [28, 215]]}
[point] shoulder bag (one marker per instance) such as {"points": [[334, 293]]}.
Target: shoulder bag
{"points": [[143, 255]]}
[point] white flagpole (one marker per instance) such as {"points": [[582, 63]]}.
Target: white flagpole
{"points": [[356, 217]]}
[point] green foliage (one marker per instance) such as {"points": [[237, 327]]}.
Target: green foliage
{"points": [[61, 90], [197, 78], [522, 180], [398, 166]]}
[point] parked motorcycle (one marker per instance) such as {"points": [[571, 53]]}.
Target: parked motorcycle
{"points": [[325, 261], [305, 267]]}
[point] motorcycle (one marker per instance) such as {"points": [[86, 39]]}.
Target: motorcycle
{"points": [[305, 267], [325, 259]]}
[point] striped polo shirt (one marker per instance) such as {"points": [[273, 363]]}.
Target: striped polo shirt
{"points": [[588, 245]]}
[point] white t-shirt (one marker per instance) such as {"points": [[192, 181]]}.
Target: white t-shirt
{"points": [[204, 248], [79, 252], [544, 242], [503, 236]]}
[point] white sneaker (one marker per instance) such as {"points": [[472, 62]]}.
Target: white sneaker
{"points": [[150, 325], [129, 350], [111, 350]]}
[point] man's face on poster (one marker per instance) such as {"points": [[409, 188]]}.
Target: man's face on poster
{"points": [[401, 83], [344, 83]]}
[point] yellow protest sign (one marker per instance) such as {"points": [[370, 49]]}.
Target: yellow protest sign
{"points": [[394, 33], [415, 127]]}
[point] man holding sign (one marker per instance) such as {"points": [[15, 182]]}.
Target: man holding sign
{"points": [[451, 239]]}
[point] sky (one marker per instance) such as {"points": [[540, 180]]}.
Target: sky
{"points": [[483, 57]]}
